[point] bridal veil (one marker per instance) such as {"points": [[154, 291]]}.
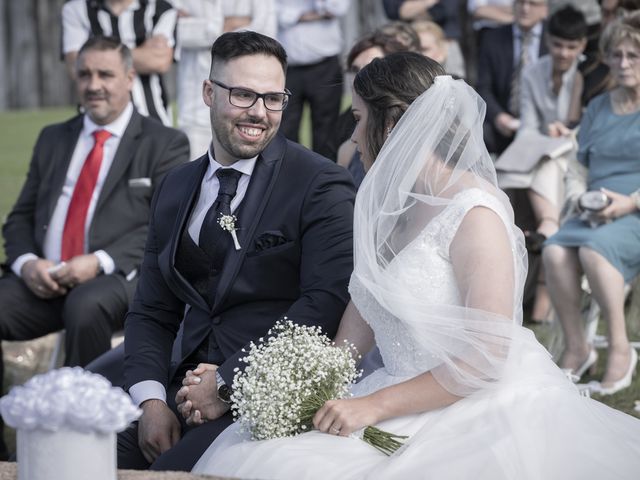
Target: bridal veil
{"points": [[435, 152]]}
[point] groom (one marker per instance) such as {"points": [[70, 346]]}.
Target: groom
{"points": [[291, 213]]}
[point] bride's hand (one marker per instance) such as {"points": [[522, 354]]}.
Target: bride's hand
{"points": [[343, 417]]}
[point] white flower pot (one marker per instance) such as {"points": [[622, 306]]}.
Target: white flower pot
{"points": [[66, 455]]}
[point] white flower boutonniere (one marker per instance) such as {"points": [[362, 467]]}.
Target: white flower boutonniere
{"points": [[228, 223]]}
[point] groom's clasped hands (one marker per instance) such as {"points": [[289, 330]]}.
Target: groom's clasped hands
{"points": [[197, 401]]}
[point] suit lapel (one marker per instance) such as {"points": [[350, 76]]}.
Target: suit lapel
{"points": [[260, 187], [61, 160], [123, 157], [510, 52], [192, 185]]}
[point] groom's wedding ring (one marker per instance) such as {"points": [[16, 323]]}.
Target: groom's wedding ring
{"points": [[335, 430]]}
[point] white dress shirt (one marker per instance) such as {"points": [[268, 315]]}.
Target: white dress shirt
{"points": [[209, 191], [473, 5], [53, 239], [307, 43], [539, 105]]}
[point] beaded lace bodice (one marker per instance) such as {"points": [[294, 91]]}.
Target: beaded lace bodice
{"points": [[424, 269]]}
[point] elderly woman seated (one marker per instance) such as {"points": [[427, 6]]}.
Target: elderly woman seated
{"points": [[603, 241]]}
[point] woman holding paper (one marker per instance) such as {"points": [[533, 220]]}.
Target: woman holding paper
{"points": [[606, 245]]}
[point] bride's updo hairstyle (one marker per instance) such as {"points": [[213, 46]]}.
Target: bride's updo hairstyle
{"points": [[388, 86]]}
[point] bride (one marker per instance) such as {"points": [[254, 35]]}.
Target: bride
{"points": [[437, 285]]}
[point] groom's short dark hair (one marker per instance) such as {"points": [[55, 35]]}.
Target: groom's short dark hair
{"points": [[238, 44]]}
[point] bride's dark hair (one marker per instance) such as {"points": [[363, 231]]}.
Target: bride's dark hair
{"points": [[388, 86]]}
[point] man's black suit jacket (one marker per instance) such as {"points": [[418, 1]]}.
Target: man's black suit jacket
{"points": [[495, 71], [295, 231], [119, 226]]}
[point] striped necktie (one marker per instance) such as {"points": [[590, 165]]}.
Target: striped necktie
{"points": [[516, 80]]}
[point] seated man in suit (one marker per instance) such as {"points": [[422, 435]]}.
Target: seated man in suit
{"points": [[257, 229], [75, 238], [503, 53]]}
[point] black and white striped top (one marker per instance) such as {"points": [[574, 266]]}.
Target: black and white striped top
{"points": [[139, 21]]}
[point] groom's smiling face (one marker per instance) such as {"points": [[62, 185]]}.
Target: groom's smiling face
{"points": [[240, 133]]}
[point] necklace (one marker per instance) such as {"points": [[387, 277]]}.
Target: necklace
{"points": [[625, 101]]}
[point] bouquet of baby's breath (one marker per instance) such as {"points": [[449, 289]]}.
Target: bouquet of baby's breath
{"points": [[289, 376]]}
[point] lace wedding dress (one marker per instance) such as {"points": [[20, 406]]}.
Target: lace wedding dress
{"points": [[534, 425], [518, 417]]}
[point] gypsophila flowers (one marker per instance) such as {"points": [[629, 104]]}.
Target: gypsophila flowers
{"points": [[289, 376], [284, 369], [228, 223]]}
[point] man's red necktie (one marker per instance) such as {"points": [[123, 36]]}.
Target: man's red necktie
{"points": [[73, 234]]}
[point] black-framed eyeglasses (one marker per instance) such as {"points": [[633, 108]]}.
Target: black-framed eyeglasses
{"points": [[243, 98]]}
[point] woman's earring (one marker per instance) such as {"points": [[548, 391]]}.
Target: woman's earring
{"points": [[389, 130]]}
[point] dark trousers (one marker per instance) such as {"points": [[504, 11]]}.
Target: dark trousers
{"points": [[89, 313], [184, 455], [319, 84], [110, 365]]}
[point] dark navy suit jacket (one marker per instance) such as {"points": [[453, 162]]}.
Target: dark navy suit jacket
{"points": [[295, 229]]}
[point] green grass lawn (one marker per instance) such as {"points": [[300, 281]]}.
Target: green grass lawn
{"points": [[18, 133]]}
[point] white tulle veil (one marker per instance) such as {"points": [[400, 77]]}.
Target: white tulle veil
{"points": [[433, 154]]}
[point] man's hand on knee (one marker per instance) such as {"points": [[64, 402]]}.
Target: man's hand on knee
{"points": [[158, 429], [35, 274], [78, 270]]}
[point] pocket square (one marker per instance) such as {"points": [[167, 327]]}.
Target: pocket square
{"points": [[140, 182], [269, 239]]}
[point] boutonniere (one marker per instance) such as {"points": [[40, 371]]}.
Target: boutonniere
{"points": [[228, 223]]}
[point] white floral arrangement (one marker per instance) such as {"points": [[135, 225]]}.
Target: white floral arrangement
{"points": [[68, 398], [289, 376]]}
